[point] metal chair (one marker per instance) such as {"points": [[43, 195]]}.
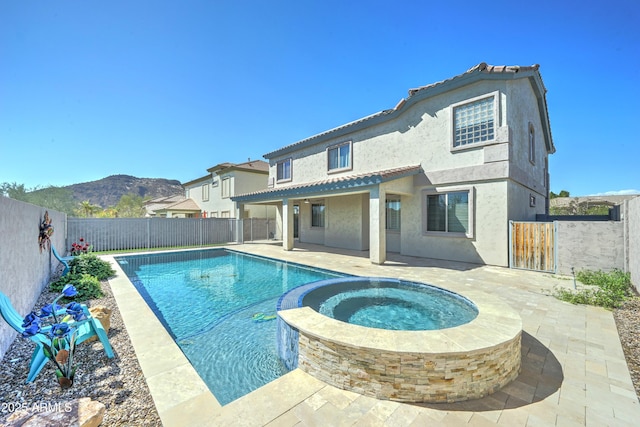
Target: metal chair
{"points": [[86, 328]]}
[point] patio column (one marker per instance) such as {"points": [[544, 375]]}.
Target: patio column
{"points": [[239, 214], [287, 224], [377, 229]]}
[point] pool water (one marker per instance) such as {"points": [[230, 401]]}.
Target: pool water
{"points": [[219, 306], [399, 307]]}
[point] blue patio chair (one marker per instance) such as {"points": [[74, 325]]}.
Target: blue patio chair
{"points": [[87, 328], [64, 260]]}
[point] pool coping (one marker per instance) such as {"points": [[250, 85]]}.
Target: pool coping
{"points": [[496, 323], [181, 397]]}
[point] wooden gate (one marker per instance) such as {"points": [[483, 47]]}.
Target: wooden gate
{"points": [[533, 245]]}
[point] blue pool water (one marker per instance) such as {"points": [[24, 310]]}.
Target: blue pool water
{"points": [[390, 304], [219, 306]]}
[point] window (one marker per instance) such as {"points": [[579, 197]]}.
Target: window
{"points": [[474, 122], [339, 157], [532, 144], [449, 213], [225, 214], [226, 187], [392, 207], [284, 170], [317, 215], [205, 192]]}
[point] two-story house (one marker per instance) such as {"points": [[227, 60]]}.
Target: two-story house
{"points": [[213, 192], [438, 176]]}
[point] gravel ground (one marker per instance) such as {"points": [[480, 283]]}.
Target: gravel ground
{"points": [[628, 322], [119, 383]]}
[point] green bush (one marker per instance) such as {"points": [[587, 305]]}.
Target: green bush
{"points": [[609, 290], [88, 286], [90, 264]]}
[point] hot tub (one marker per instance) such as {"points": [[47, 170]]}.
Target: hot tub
{"points": [[466, 361]]}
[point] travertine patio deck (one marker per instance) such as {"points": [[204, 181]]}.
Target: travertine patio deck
{"points": [[573, 368]]}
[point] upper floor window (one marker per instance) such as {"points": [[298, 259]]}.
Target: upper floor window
{"points": [[392, 214], [284, 170], [317, 215], [205, 192], [449, 213], [339, 157], [532, 144], [226, 187], [474, 122]]}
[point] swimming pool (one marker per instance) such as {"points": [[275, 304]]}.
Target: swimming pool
{"points": [[219, 306]]}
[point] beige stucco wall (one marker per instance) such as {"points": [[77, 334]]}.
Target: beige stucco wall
{"points": [[500, 174], [25, 270], [344, 226], [489, 242], [241, 182]]}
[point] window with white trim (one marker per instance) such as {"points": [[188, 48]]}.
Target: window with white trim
{"points": [[449, 212], [226, 187], [474, 122], [532, 144], [205, 192], [339, 157], [283, 170], [317, 215], [392, 213]]}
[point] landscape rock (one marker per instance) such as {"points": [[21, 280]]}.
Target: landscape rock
{"points": [[82, 412], [103, 314]]}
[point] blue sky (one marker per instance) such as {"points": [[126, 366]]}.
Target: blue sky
{"points": [[166, 89]]}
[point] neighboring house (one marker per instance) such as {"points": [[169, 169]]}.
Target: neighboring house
{"points": [[438, 176], [151, 206], [185, 208], [213, 193]]}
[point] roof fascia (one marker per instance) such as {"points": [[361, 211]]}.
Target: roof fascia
{"points": [[353, 184]]}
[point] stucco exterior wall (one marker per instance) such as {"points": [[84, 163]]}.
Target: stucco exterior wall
{"points": [[531, 174], [421, 134], [344, 226], [590, 245], [632, 237], [25, 270], [487, 246], [307, 233], [500, 174], [241, 182]]}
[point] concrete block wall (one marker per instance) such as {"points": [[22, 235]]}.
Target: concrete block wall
{"points": [[590, 245], [25, 270], [631, 211]]}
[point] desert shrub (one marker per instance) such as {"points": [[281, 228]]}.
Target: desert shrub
{"points": [[89, 263], [88, 286], [609, 289]]}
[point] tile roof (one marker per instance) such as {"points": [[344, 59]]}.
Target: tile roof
{"points": [[257, 165], [335, 183], [482, 67], [183, 205]]}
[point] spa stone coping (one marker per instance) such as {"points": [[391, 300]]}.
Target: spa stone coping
{"points": [[495, 324]]}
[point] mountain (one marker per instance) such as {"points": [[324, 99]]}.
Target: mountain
{"points": [[107, 191]]}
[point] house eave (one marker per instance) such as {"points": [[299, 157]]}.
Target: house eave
{"points": [[350, 184], [474, 75]]}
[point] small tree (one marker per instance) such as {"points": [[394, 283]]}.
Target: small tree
{"points": [[130, 206]]}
